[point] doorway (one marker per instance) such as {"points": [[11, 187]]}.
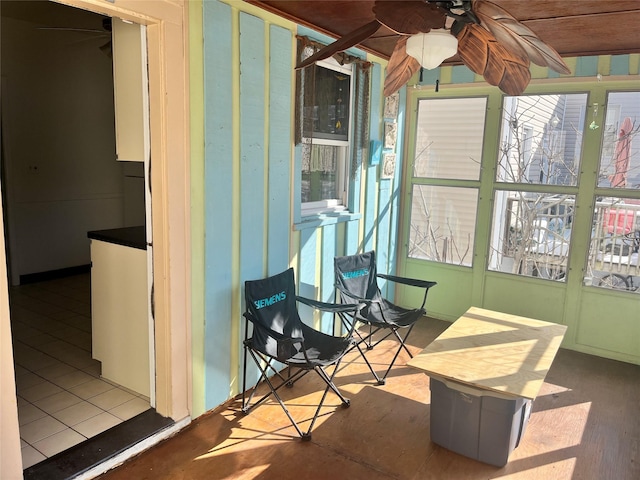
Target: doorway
{"points": [[168, 103], [61, 180]]}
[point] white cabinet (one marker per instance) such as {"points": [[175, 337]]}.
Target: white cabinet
{"points": [[131, 91], [119, 314]]}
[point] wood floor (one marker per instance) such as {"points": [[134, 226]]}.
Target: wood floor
{"points": [[585, 424]]}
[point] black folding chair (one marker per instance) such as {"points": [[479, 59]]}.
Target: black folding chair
{"points": [[356, 281], [280, 336]]}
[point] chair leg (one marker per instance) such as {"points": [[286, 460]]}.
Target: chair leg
{"points": [[403, 340], [330, 385], [329, 381], [264, 371], [380, 381], [284, 407], [368, 340], [400, 347], [244, 380], [369, 344], [287, 381], [273, 390]]}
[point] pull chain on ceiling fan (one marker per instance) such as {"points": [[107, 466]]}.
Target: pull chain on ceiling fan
{"points": [[490, 41]]}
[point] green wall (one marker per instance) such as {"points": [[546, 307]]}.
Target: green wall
{"points": [[599, 322]]}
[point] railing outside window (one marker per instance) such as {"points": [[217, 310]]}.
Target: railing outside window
{"points": [[535, 236], [615, 241]]}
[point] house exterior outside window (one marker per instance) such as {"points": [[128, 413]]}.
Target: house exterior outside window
{"points": [[446, 171]]}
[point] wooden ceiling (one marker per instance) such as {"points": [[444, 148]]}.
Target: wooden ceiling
{"points": [[573, 27]]}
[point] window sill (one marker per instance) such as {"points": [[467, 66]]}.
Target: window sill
{"points": [[328, 218]]}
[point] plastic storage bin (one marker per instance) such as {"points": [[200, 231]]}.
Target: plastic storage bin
{"points": [[478, 424]]}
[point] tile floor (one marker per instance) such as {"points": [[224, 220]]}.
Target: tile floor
{"points": [[62, 400]]}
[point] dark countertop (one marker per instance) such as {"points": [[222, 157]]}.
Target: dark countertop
{"points": [[128, 236]]}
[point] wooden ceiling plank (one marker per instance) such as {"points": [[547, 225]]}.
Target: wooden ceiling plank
{"points": [[572, 28]]}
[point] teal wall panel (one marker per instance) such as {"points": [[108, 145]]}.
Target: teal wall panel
{"points": [[462, 74], [252, 147], [253, 171], [619, 65], [297, 182], [429, 77], [351, 238], [218, 190], [369, 206], [382, 243], [280, 124], [306, 271], [586, 66], [329, 235], [552, 74]]}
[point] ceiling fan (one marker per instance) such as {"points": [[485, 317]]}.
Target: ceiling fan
{"points": [[105, 32], [490, 41]]}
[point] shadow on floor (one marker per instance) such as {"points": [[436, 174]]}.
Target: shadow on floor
{"points": [[584, 424]]}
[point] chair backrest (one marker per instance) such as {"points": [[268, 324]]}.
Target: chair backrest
{"points": [[271, 307], [357, 274]]}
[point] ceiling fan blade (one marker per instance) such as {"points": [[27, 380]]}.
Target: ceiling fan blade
{"points": [[400, 69], [481, 52], [517, 37], [409, 17], [343, 43]]}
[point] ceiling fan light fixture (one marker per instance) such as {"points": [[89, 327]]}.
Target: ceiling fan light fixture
{"points": [[433, 47]]}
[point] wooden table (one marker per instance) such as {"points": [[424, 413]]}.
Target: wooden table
{"points": [[493, 351]]}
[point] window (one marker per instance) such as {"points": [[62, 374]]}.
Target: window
{"points": [[443, 223], [531, 233], [615, 243], [541, 139], [615, 234], [327, 102], [326, 125], [449, 138], [620, 157], [540, 145], [446, 170]]}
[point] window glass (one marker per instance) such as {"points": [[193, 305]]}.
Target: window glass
{"points": [[443, 224], [449, 138], [541, 139], [620, 156], [326, 97], [321, 173], [326, 104], [615, 241], [531, 233]]}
